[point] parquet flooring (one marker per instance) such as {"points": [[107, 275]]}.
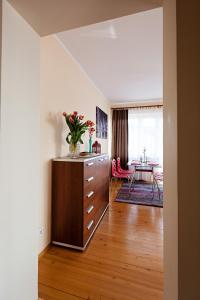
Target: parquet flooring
{"points": [[124, 260]]}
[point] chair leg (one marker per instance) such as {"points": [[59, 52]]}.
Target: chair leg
{"points": [[159, 193], [132, 181], [158, 189], [152, 179], [153, 187], [111, 183]]}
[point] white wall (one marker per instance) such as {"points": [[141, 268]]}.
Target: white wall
{"points": [[170, 154], [19, 169], [64, 87]]}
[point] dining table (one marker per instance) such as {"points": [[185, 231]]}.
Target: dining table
{"points": [[143, 167]]}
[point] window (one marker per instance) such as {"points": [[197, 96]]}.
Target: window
{"points": [[145, 126]]}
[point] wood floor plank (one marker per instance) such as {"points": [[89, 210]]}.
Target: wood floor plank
{"points": [[124, 260], [53, 294]]}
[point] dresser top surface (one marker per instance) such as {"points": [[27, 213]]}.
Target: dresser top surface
{"points": [[79, 159]]}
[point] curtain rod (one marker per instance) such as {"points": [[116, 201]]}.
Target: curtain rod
{"points": [[142, 106]]}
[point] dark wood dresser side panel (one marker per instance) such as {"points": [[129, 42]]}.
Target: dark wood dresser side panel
{"points": [[67, 203], [102, 188]]}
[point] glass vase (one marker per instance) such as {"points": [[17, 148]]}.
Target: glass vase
{"points": [[74, 150], [90, 144]]}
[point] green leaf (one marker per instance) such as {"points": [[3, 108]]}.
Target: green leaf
{"points": [[67, 138]]}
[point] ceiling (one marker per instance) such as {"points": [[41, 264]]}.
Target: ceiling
{"points": [[51, 16], [123, 57]]}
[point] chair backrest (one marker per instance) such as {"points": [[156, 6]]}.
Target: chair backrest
{"points": [[158, 176], [119, 169], [114, 169]]}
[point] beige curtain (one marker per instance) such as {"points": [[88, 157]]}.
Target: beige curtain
{"points": [[120, 135]]}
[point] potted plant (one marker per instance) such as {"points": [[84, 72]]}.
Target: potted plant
{"points": [[77, 127]]}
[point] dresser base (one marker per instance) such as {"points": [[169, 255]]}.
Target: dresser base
{"points": [[82, 248]]}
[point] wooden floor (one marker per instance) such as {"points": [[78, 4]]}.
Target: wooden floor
{"points": [[124, 260]]}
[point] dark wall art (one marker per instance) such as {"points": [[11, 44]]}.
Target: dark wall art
{"points": [[101, 124]]}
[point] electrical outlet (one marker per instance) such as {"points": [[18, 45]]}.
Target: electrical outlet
{"points": [[41, 231]]}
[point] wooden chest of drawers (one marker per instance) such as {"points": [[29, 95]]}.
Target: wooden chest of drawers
{"points": [[80, 197]]}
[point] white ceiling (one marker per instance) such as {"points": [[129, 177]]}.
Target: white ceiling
{"points": [[123, 57]]}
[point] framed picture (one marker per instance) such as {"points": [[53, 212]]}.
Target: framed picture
{"points": [[101, 124]]}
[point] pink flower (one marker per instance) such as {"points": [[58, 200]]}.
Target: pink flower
{"points": [[81, 117], [75, 113], [71, 120], [64, 114], [91, 131], [89, 123]]}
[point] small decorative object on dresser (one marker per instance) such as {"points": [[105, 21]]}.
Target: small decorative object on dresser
{"points": [[96, 147], [80, 197], [77, 128]]}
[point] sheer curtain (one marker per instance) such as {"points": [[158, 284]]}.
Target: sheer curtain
{"points": [[145, 130]]}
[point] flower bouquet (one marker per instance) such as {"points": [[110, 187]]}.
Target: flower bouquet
{"points": [[77, 127]]}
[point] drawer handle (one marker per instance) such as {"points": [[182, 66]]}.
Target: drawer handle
{"points": [[90, 209], [90, 194], [90, 225], [90, 179], [90, 164]]}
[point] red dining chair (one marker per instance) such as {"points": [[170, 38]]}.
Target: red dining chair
{"points": [[157, 178], [122, 171], [116, 174]]}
